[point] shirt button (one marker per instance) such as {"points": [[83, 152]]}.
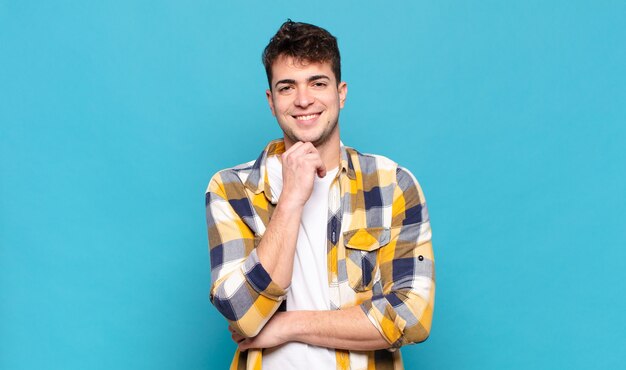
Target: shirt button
{"points": [[421, 258]]}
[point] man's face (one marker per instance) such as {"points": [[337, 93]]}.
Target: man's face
{"points": [[305, 99]]}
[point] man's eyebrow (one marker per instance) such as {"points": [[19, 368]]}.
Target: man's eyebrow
{"points": [[318, 77], [287, 81], [310, 79]]}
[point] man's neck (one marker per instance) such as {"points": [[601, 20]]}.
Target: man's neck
{"points": [[330, 152]]}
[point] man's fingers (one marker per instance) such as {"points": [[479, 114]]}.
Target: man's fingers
{"points": [[316, 160], [321, 171], [244, 345], [300, 166], [299, 150], [288, 153], [236, 337], [307, 148], [293, 148]]}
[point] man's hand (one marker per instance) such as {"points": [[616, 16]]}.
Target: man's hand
{"points": [[300, 165], [273, 334]]}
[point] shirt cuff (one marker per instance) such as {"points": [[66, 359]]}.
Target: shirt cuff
{"points": [[260, 279], [374, 310]]}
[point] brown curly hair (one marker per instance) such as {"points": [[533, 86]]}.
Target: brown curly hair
{"points": [[303, 42]]}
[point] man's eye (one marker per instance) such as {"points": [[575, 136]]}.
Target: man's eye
{"points": [[284, 88], [320, 84]]}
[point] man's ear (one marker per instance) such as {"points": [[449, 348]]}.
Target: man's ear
{"points": [[343, 93], [268, 95]]}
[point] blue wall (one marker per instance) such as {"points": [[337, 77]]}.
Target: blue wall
{"points": [[114, 115]]}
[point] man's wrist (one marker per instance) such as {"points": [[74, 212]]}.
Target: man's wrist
{"points": [[289, 206], [292, 325]]}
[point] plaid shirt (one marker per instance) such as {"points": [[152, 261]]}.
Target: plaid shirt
{"points": [[379, 252]]}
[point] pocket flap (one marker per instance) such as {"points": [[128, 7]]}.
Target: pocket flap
{"points": [[367, 239]]}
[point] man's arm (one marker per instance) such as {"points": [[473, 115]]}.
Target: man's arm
{"points": [[249, 283], [242, 290], [403, 313], [344, 329], [300, 164]]}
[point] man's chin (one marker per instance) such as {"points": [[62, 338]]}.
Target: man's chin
{"points": [[315, 139], [305, 139]]}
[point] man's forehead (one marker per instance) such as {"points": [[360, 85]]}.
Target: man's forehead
{"points": [[288, 65]]}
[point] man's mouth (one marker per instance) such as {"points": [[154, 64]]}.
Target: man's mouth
{"points": [[306, 117]]}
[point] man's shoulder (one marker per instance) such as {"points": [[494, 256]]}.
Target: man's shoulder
{"points": [[231, 176], [368, 163], [372, 161], [238, 169], [245, 176]]}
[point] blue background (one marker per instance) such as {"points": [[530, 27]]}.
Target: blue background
{"points": [[114, 115]]}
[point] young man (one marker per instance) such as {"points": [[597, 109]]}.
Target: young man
{"points": [[320, 256]]}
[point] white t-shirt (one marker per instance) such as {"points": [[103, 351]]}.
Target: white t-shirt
{"points": [[309, 283]]}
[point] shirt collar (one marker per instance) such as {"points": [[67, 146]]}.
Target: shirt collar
{"points": [[258, 180]]}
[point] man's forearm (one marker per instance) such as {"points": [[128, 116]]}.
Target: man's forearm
{"points": [[348, 329], [344, 329], [278, 245]]}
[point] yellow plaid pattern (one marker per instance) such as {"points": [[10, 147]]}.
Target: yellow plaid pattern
{"points": [[379, 252]]}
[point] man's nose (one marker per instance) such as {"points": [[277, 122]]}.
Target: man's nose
{"points": [[304, 98]]}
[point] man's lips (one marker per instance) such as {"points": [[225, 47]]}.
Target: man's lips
{"points": [[306, 117]]}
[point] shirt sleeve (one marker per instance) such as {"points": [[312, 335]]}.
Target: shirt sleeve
{"points": [[241, 290], [403, 312]]}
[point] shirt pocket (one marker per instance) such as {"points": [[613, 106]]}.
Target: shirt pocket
{"points": [[362, 247]]}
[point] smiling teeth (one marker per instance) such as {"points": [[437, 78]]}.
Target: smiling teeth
{"points": [[306, 118]]}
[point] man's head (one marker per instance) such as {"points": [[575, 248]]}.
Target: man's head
{"points": [[305, 93], [304, 43]]}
